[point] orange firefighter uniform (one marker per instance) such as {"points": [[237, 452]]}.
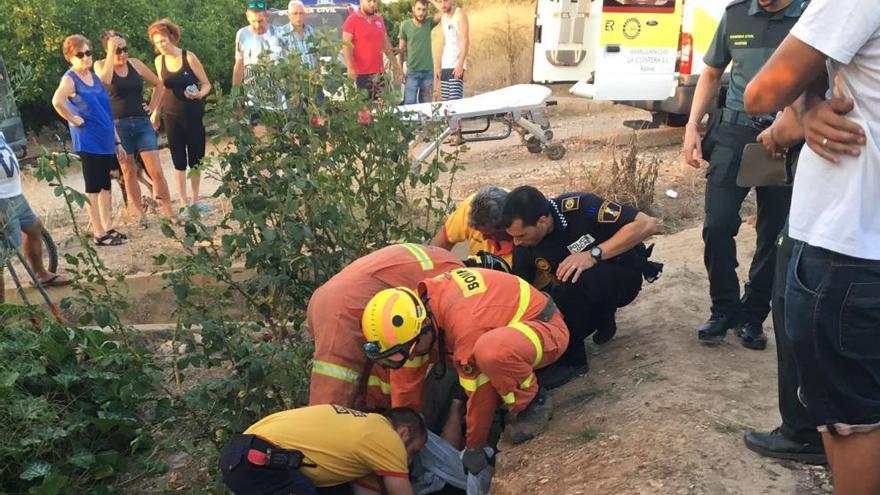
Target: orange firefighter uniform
{"points": [[498, 329], [340, 370]]}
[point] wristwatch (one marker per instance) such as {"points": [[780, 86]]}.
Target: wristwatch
{"points": [[596, 252]]}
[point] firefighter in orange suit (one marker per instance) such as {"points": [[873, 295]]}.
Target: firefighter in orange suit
{"points": [[341, 374], [494, 327], [340, 371]]}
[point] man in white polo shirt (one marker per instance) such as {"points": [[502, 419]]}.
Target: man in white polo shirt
{"points": [[833, 288]]}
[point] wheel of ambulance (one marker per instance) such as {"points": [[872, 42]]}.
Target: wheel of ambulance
{"points": [[533, 145], [555, 151]]}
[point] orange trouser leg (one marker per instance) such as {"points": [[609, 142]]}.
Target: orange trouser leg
{"points": [[339, 367], [506, 356]]}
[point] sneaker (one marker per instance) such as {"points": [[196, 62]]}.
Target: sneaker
{"points": [[202, 208], [531, 421], [752, 336]]}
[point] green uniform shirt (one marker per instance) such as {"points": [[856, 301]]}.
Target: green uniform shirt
{"points": [[747, 35], [418, 44]]}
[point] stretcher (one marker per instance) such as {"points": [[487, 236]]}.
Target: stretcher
{"points": [[518, 108]]}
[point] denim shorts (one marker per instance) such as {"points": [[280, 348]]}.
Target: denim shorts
{"points": [[18, 215], [137, 134], [832, 316]]}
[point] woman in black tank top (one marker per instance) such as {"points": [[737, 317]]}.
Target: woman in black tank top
{"points": [[182, 106], [124, 79]]}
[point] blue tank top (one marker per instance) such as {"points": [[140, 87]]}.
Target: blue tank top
{"points": [[92, 103]]}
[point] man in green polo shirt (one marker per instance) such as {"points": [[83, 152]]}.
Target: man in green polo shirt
{"points": [[415, 48], [749, 32]]}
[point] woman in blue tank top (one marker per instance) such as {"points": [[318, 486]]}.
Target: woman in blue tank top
{"points": [[82, 101]]}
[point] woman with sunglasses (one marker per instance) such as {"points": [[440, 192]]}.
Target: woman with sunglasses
{"points": [[82, 101], [124, 77], [182, 106]]}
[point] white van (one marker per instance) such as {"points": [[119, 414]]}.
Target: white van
{"points": [[643, 53]]}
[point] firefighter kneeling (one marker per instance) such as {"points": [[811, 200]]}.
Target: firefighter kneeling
{"points": [[496, 329]]}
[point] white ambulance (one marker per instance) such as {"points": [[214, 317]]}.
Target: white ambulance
{"points": [[643, 53]]}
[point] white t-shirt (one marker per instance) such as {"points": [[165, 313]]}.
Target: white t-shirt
{"points": [[837, 207], [10, 172], [249, 45]]}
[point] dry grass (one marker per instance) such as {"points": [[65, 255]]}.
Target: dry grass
{"points": [[628, 175]]}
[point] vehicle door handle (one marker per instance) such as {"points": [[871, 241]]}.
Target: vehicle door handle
{"points": [[612, 49]]}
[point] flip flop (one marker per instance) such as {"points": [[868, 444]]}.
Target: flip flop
{"points": [[108, 239], [54, 281]]}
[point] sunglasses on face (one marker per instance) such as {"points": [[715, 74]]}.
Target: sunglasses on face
{"points": [[83, 54], [256, 5], [121, 50]]}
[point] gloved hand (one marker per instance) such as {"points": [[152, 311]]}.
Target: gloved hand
{"points": [[474, 460]]}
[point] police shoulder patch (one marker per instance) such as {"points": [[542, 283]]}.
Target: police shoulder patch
{"points": [[542, 264], [609, 212], [571, 204]]}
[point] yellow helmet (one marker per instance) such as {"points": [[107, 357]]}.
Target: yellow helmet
{"points": [[392, 323]]}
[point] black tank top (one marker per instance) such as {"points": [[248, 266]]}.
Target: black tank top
{"points": [[127, 94], [174, 102]]}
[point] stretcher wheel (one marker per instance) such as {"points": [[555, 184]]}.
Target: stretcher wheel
{"points": [[555, 151], [533, 145], [548, 135]]}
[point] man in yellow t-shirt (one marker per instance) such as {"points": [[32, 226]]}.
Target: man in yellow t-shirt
{"points": [[301, 451], [477, 220]]}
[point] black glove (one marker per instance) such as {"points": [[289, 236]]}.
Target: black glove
{"points": [[474, 460]]}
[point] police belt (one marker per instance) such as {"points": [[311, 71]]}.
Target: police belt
{"points": [[735, 117], [549, 309]]}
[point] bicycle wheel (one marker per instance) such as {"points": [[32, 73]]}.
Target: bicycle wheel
{"points": [[50, 252]]}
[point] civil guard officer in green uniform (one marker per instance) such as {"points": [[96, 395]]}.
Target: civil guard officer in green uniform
{"points": [[749, 32]]}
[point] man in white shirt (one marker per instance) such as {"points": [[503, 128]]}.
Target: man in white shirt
{"points": [[16, 217], [257, 42], [833, 288], [454, 48]]}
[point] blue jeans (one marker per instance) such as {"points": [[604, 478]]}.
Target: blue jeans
{"points": [[832, 316], [419, 87], [15, 215]]}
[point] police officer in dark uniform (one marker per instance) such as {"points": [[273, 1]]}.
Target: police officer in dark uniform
{"points": [[587, 253], [749, 32]]}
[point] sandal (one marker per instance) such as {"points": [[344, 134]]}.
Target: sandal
{"points": [[143, 224], [108, 239], [117, 234], [56, 280]]}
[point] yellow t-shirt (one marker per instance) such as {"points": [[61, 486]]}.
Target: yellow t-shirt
{"points": [[347, 445], [457, 229]]}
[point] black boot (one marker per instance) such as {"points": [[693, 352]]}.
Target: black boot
{"points": [[775, 444], [531, 421], [606, 326], [715, 329], [559, 373], [752, 336]]}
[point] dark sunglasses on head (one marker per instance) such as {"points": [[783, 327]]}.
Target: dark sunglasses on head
{"points": [[87, 53], [121, 50], [257, 5]]}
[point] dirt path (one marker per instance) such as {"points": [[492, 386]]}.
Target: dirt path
{"points": [[660, 413]]}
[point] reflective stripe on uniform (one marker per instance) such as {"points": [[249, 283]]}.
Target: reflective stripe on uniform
{"points": [[335, 371], [416, 362], [508, 398], [421, 256], [472, 384], [527, 382], [525, 296], [375, 381], [533, 336]]}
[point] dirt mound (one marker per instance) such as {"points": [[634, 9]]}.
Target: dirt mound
{"points": [[660, 413]]}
